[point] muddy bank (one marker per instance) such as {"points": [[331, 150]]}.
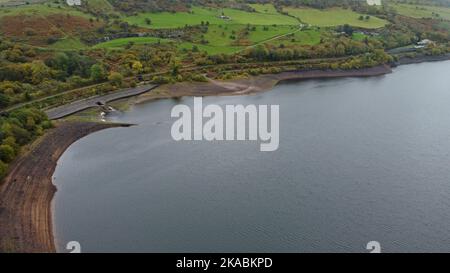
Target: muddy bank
{"points": [[404, 60], [26, 193], [253, 84], [327, 74]]}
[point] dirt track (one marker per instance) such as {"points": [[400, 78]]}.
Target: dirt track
{"points": [[27, 192]]}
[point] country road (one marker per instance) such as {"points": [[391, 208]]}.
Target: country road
{"points": [[80, 105]]}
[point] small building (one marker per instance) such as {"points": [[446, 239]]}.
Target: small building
{"points": [[224, 17], [73, 2]]}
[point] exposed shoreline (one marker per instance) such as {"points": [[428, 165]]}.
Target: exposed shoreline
{"points": [[422, 59], [26, 193], [254, 84]]}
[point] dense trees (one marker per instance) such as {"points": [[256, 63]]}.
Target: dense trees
{"points": [[98, 73], [71, 64], [17, 129], [116, 79], [327, 49], [25, 74]]}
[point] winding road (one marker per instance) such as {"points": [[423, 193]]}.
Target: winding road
{"points": [[80, 105]]}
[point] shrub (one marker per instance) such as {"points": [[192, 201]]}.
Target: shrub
{"points": [[116, 79], [6, 153], [3, 170]]}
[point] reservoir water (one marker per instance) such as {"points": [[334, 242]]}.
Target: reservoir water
{"points": [[360, 159]]}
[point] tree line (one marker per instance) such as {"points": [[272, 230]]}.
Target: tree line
{"points": [[17, 129]]}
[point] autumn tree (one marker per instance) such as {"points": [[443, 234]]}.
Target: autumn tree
{"points": [[98, 73], [116, 79]]}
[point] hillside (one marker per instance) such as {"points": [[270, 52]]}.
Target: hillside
{"points": [[52, 54]]}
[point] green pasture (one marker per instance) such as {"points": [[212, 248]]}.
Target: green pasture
{"points": [[117, 43], [219, 41], [420, 11], [211, 15], [264, 8], [334, 17], [304, 37], [220, 35], [358, 36]]}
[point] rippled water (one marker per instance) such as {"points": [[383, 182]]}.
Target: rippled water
{"points": [[359, 160]]}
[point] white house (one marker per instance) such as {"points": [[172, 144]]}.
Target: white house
{"points": [[73, 2]]}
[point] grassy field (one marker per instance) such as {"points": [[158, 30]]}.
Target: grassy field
{"points": [[304, 37], [273, 31], [257, 18], [174, 20], [334, 17], [223, 36], [418, 11], [219, 41], [211, 15], [211, 49], [118, 43], [358, 36], [264, 8], [220, 35], [242, 29]]}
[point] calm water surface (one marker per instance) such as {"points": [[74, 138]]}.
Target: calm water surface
{"points": [[359, 160]]}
